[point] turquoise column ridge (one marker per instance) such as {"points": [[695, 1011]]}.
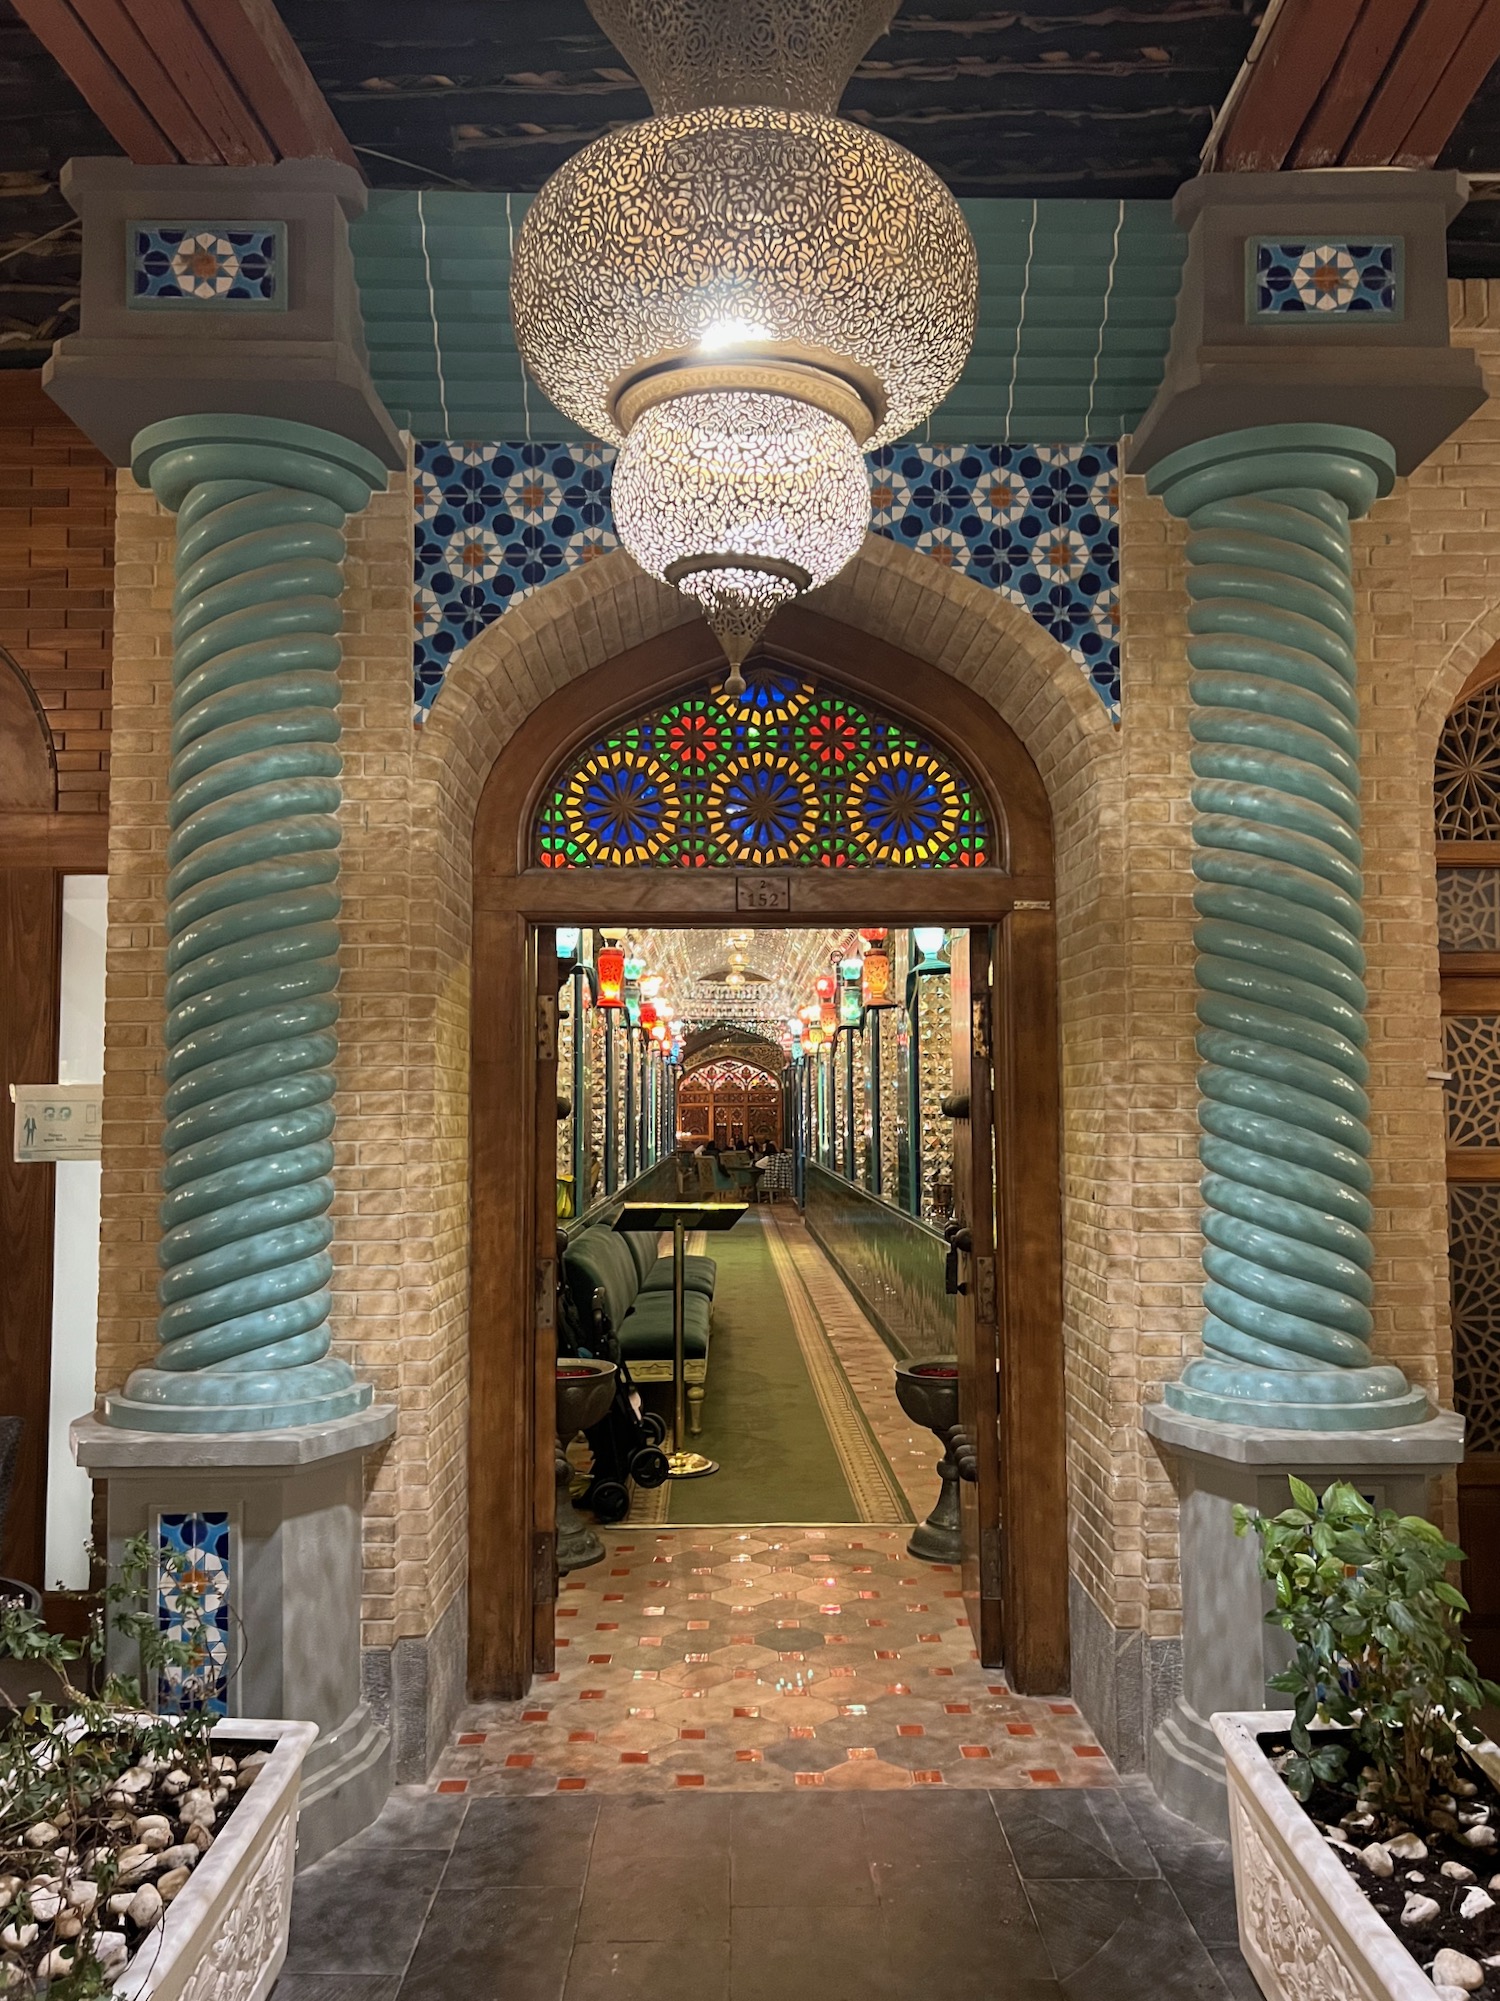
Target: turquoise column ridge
{"points": [[1283, 1116], [252, 925]]}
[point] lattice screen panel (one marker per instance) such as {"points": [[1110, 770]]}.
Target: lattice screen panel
{"points": [[1466, 779], [1471, 1046], [1474, 1266], [1469, 909]]}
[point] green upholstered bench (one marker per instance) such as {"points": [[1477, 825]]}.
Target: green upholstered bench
{"points": [[699, 1274], [600, 1260]]}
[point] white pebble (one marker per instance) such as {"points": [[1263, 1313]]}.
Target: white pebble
{"points": [[171, 1881], [176, 1781], [1407, 1848], [145, 1907], [183, 1856], [1377, 1859], [1482, 1836], [119, 1903], [196, 1805], [18, 1937], [1419, 1910], [1450, 1994], [43, 1835], [134, 1781], [1336, 1838], [58, 1963], [110, 1949], [1457, 1872], [45, 1904], [1476, 1903], [1456, 1969], [82, 1894]]}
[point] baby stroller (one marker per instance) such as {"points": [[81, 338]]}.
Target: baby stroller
{"points": [[626, 1442]]}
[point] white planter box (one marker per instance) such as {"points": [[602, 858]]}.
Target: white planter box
{"points": [[1306, 1929], [223, 1938]]}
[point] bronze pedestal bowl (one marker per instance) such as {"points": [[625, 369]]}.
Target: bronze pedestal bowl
{"points": [[928, 1393]]}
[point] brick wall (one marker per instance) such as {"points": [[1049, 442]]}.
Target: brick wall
{"points": [[1428, 576], [57, 534]]}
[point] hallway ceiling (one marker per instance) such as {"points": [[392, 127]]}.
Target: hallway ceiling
{"points": [[789, 960]]}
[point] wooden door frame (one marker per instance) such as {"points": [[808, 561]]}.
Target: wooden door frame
{"points": [[510, 1420]]}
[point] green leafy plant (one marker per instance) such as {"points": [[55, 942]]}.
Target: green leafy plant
{"points": [[1378, 1647]]}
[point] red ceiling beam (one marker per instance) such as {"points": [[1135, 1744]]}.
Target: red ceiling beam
{"points": [[256, 49], [1357, 83], [193, 82], [1467, 67], [1413, 75], [1284, 84], [1355, 76]]}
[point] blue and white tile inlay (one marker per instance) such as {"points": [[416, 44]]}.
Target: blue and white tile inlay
{"points": [[197, 264], [1038, 523], [192, 1605], [1325, 277]]}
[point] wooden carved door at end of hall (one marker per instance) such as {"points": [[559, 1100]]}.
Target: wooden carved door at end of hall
{"points": [[548, 989], [971, 1237]]}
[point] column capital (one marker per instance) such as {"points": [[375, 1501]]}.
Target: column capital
{"points": [[1318, 298], [208, 289]]}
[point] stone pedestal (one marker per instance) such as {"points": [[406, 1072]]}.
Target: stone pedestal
{"points": [[294, 1501], [1228, 1651]]}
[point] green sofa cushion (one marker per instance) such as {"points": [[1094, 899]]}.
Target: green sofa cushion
{"points": [[699, 1274], [647, 1332]]}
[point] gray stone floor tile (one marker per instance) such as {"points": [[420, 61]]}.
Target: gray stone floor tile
{"points": [[1235, 1975], [796, 1854], [931, 1946], [649, 1970], [948, 1846], [1058, 1834], [336, 1987], [1129, 1941], [412, 1817], [544, 1844], [362, 1914], [512, 1944], [822, 1954]]}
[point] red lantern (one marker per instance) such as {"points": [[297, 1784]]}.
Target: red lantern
{"points": [[648, 1014], [824, 985], [610, 969], [829, 1018], [877, 979]]}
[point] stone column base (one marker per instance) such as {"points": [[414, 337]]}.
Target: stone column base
{"points": [[295, 1503], [1228, 1651]]}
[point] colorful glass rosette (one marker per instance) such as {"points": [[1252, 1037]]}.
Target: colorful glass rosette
{"points": [[790, 775]]}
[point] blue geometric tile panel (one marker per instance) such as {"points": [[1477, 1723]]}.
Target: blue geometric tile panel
{"points": [[1039, 523], [1326, 277], [200, 265], [194, 1579]]}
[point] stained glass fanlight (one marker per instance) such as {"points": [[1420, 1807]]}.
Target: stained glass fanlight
{"points": [[791, 774], [744, 292]]}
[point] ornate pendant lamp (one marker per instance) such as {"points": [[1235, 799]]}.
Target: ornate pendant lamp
{"points": [[744, 292]]}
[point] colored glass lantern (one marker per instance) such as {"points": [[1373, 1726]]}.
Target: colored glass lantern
{"points": [[929, 941], [569, 938], [823, 986], [828, 1018], [851, 1005], [609, 968], [648, 1014], [877, 978]]}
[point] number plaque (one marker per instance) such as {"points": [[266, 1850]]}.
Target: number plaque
{"points": [[762, 892]]}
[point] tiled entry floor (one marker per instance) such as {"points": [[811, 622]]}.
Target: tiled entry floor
{"points": [[767, 1660], [1014, 1895]]}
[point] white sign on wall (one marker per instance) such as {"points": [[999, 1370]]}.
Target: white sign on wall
{"points": [[57, 1121]]}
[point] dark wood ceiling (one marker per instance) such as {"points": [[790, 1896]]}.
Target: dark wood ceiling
{"points": [[1058, 97], [1053, 98]]}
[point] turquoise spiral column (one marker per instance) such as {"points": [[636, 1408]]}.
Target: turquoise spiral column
{"points": [[1283, 1116], [252, 925]]}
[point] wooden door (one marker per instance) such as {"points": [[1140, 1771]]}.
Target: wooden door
{"points": [[544, 1580], [30, 949], [972, 1233]]}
